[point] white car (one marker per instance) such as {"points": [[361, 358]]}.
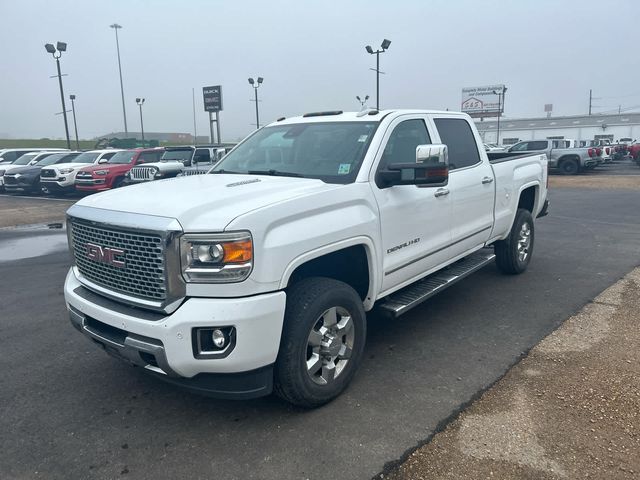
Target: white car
{"points": [[27, 159], [10, 155], [256, 277], [61, 178]]}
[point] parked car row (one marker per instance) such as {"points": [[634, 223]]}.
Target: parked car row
{"points": [[59, 171]]}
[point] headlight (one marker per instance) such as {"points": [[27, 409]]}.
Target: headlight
{"points": [[1, 173], [216, 258], [101, 172], [66, 170], [158, 174]]}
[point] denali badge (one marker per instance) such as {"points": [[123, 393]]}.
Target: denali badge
{"points": [[110, 256]]}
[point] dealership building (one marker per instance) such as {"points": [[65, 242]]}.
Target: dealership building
{"points": [[577, 127]]}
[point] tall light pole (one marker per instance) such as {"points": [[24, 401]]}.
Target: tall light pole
{"points": [[61, 47], [362, 102], [115, 26], [140, 102], [383, 48], [75, 125], [256, 84], [500, 108]]}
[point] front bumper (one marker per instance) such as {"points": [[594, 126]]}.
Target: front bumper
{"points": [[163, 344], [58, 184], [92, 185]]}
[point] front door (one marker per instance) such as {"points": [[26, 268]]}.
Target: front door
{"points": [[414, 220]]}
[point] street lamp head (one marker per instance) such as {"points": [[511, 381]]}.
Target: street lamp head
{"points": [[72, 97], [369, 49], [62, 46], [115, 25], [260, 80], [385, 44], [50, 48], [251, 81], [137, 100], [358, 98], [366, 98]]}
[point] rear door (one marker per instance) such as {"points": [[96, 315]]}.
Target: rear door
{"points": [[415, 223], [471, 184]]}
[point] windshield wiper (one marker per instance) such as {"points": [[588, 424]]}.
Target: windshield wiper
{"points": [[227, 171], [275, 173]]}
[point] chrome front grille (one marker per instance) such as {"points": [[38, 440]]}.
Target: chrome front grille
{"points": [[143, 273], [142, 173], [84, 175]]}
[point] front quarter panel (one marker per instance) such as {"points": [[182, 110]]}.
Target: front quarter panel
{"points": [[289, 233]]}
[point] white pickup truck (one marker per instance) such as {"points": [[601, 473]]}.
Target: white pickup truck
{"points": [[257, 276]]}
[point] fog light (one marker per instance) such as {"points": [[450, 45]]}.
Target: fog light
{"points": [[213, 342], [219, 338]]}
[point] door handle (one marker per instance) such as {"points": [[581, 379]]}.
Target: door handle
{"points": [[487, 180], [441, 192]]}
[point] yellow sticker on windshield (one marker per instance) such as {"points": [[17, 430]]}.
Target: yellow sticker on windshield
{"points": [[344, 168]]}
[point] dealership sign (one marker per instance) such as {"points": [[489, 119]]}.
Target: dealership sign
{"points": [[483, 101], [212, 98]]}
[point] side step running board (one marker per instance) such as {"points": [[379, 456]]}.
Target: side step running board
{"points": [[413, 295]]}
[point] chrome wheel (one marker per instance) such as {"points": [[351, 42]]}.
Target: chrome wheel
{"points": [[329, 345], [524, 242]]}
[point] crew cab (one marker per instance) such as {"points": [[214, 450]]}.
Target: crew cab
{"points": [[61, 178], [567, 161], [111, 174], [174, 161], [26, 179], [257, 276]]}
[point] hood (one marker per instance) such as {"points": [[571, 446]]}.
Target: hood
{"points": [[25, 169], [10, 168], [112, 167], [60, 166], [204, 203]]}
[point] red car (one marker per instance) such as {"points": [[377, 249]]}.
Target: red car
{"points": [[104, 176]]}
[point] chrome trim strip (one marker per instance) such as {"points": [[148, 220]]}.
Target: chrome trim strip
{"points": [[436, 251]]}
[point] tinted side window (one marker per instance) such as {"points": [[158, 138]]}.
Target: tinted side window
{"points": [[520, 147], [457, 135], [401, 146], [108, 155], [539, 145], [202, 155]]}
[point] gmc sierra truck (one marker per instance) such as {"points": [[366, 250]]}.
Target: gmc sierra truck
{"points": [[257, 276]]}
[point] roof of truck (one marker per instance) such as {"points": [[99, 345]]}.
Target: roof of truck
{"points": [[367, 115]]}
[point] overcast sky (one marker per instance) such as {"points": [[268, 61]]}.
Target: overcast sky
{"points": [[312, 57]]}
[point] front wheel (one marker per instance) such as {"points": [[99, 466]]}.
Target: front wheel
{"points": [[322, 341], [513, 254], [569, 167]]}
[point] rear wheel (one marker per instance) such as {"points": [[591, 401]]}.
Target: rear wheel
{"points": [[513, 254], [569, 166], [322, 341]]}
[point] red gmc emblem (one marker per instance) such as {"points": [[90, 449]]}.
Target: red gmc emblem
{"points": [[110, 256]]}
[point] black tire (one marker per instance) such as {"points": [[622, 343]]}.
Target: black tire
{"points": [[508, 255], [569, 166], [307, 300]]}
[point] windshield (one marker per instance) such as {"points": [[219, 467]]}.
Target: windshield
{"points": [[55, 158], [26, 158], [180, 155], [331, 151], [86, 157], [123, 157]]}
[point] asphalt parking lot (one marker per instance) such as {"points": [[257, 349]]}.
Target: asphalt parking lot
{"points": [[70, 411]]}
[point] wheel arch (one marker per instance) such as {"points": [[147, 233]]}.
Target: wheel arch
{"points": [[329, 261]]}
